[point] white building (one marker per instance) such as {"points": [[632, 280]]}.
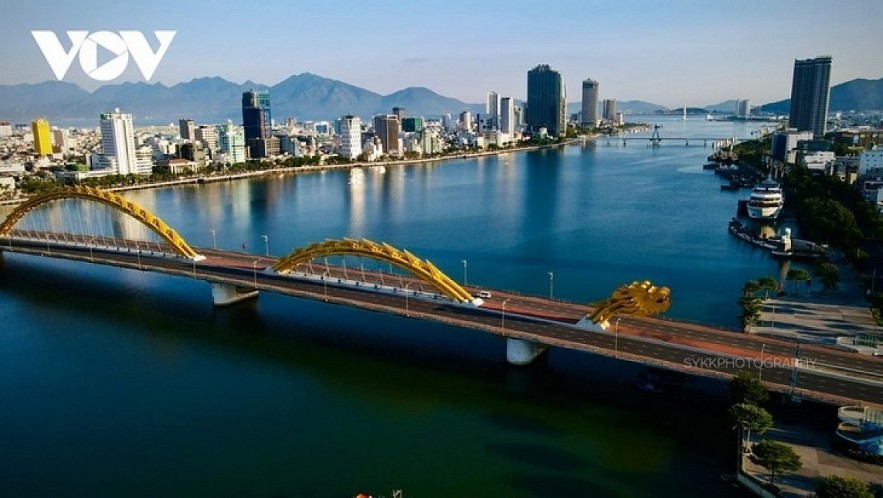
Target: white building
{"points": [[350, 136], [5, 129], [118, 143], [507, 115], [743, 108], [231, 142], [208, 136], [870, 163], [819, 161], [465, 121]]}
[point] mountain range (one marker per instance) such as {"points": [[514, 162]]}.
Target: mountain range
{"points": [[304, 96]]}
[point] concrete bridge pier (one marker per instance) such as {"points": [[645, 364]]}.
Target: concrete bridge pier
{"points": [[226, 294], [522, 352]]}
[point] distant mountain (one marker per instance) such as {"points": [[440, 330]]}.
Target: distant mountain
{"points": [[625, 107], [853, 95], [727, 106], [214, 99]]}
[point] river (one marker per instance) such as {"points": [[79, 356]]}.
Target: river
{"points": [[127, 383]]}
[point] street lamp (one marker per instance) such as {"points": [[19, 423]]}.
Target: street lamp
{"points": [[407, 309], [503, 319], [325, 284], [138, 247], [214, 239], [551, 278], [254, 267], [616, 338], [760, 368], [266, 245], [464, 272]]}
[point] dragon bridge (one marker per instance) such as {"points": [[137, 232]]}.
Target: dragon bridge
{"points": [[637, 299]]}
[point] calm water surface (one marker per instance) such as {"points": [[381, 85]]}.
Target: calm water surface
{"points": [[125, 383]]}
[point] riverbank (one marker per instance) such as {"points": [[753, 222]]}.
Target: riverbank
{"points": [[283, 170]]}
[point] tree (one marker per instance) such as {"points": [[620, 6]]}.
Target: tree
{"points": [[751, 307], [751, 417], [768, 284], [828, 273], [797, 275], [842, 487], [776, 457], [750, 288], [746, 388]]}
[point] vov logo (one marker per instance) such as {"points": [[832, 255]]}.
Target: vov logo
{"points": [[86, 45]]}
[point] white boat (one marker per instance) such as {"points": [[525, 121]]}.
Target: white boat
{"points": [[766, 201]]}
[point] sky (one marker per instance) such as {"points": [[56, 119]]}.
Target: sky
{"points": [[673, 53]]}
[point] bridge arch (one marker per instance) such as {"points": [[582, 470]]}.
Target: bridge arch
{"points": [[422, 269], [118, 202]]}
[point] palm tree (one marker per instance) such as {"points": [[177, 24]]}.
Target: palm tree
{"points": [[768, 284]]}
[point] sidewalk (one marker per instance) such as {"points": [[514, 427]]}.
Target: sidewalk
{"points": [[818, 460], [817, 315]]}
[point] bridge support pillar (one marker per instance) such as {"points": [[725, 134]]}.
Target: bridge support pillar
{"points": [[226, 294], [521, 351]]}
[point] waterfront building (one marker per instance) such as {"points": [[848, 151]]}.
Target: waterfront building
{"points": [[784, 144], [590, 104], [208, 135], [350, 136], [42, 137], [609, 106], [187, 129], [118, 144], [195, 152], [743, 108], [231, 142], [386, 128], [507, 115], [810, 91], [256, 121], [546, 100], [492, 108], [413, 124], [447, 122], [465, 122]]}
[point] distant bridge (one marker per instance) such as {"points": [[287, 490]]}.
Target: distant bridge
{"points": [[529, 324]]}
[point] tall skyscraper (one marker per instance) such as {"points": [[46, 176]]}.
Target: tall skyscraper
{"points": [[118, 142], [208, 135], [810, 89], [350, 136], [187, 129], [546, 100], [507, 115], [609, 109], [493, 110], [399, 112], [231, 141], [386, 128], [256, 120], [42, 137], [743, 108], [590, 103]]}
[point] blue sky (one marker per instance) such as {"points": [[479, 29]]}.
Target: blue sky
{"points": [[672, 53]]}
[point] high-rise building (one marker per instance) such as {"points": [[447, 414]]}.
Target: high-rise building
{"points": [[465, 121], [350, 136], [118, 142], [810, 90], [609, 106], [187, 129], [231, 142], [386, 128], [507, 115], [399, 112], [589, 117], [42, 137], [412, 124], [546, 100], [256, 120], [208, 135], [743, 108], [493, 111]]}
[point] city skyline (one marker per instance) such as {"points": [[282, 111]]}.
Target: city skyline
{"points": [[672, 54]]}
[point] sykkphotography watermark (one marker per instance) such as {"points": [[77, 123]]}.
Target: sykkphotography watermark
{"points": [[121, 44], [720, 363]]}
